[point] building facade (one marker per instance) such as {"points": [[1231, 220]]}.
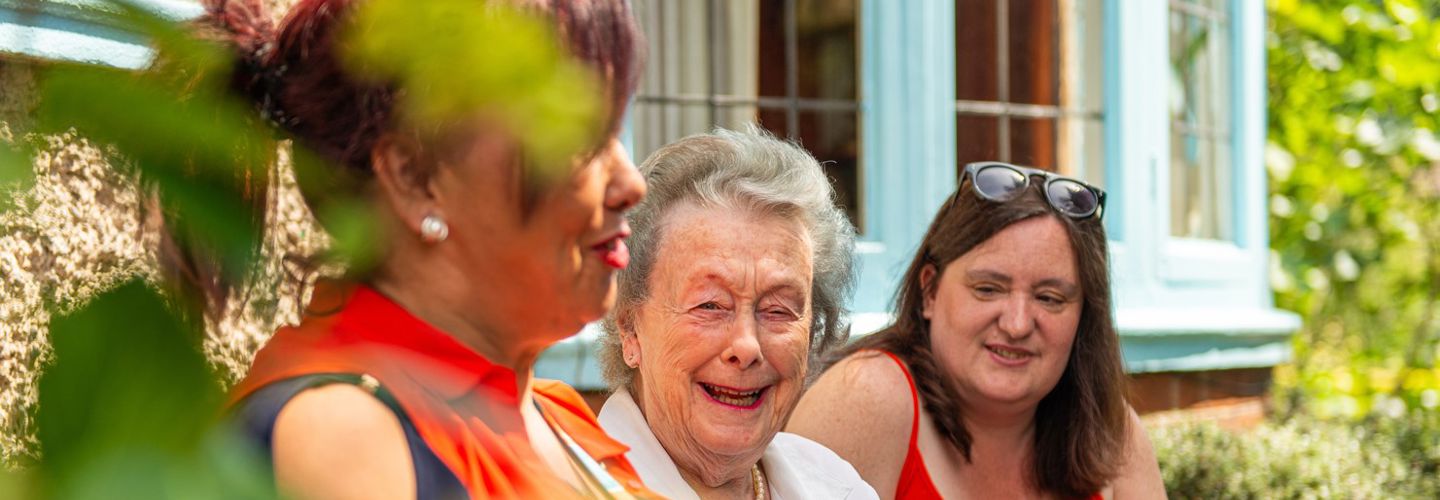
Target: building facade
{"points": [[1162, 103]]}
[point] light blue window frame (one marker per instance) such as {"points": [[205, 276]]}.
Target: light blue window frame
{"points": [[1181, 304], [1187, 304]]}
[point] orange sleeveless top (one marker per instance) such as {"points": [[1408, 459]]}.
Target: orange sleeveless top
{"points": [[465, 408], [915, 482]]}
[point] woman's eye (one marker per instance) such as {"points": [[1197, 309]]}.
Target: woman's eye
{"points": [[1052, 299], [709, 306], [779, 313], [987, 290]]}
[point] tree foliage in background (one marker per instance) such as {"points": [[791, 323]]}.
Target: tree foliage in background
{"points": [[1354, 163]]}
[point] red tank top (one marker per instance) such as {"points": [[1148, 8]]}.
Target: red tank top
{"points": [[915, 482]]}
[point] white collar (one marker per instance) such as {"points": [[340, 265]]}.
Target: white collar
{"points": [[795, 467]]}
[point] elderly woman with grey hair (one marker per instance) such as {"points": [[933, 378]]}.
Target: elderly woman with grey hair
{"points": [[740, 267]]}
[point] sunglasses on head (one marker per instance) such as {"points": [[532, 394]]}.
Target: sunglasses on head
{"points": [[997, 181]]}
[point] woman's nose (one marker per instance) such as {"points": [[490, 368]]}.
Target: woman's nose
{"points": [[1017, 319], [627, 186], [744, 348]]}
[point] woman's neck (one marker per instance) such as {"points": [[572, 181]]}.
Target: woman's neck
{"points": [[495, 344], [733, 486], [1002, 445], [708, 475]]}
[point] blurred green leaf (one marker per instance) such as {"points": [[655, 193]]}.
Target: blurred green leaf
{"points": [[355, 234], [464, 60], [1355, 128], [204, 152], [128, 374], [16, 172], [130, 408]]}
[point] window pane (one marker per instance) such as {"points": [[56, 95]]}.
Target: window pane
{"points": [[977, 139], [826, 31], [1201, 187], [775, 120], [1034, 58], [656, 124], [975, 62], [1092, 167], [1032, 142], [833, 137], [724, 63], [1044, 88]]}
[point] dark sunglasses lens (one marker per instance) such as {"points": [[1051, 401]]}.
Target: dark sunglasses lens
{"points": [[999, 183], [1073, 198]]}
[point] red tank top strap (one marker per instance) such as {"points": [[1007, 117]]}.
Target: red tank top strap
{"points": [[915, 482], [914, 402]]}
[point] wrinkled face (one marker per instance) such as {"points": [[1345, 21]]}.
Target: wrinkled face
{"points": [[1003, 316], [553, 269], [722, 341]]}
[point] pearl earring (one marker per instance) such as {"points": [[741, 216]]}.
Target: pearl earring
{"points": [[433, 229]]}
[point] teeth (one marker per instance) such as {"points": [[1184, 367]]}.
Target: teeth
{"points": [[733, 398], [1006, 353]]}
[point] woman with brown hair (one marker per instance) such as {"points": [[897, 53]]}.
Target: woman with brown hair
{"points": [[413, 379], [1001, 376]]}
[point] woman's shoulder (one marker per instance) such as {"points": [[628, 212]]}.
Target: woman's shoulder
{"points": [[314, 437], [873, 382], [861, 408]]}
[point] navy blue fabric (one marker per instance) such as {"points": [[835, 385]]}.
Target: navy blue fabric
{"points": [[256, 415]]}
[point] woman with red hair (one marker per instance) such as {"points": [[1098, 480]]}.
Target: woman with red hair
{"points": [[413, 379]]}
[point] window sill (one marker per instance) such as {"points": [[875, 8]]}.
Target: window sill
{"points": [[1165, 339], [77, 31]]}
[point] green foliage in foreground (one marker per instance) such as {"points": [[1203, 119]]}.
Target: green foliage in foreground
{"points": [[1303, 458], [135, 415], [1354, 163], [131, 408]]}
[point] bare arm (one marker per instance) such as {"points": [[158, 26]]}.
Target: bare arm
{"points": [[339, 442], [861, 409], [1140, 476]]}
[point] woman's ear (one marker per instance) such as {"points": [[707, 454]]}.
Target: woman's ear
{"points": [[404, 180], [629, 342], [928, 275]]}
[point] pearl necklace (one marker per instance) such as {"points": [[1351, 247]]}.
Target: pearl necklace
{"points": [[757, 479]]}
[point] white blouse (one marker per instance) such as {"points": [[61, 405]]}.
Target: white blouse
{"points": [[795, 467]]}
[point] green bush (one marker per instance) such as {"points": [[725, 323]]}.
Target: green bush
{"points": [[1303, 458]]}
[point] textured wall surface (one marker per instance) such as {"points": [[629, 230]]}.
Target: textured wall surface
{"points": [[83, 227]]}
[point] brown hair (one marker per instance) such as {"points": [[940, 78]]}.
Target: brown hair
{"points": [[1081, 425], [295, 77]]}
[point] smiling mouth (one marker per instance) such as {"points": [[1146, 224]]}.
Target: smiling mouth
{"points": [[734, 397], [1007, 353]]}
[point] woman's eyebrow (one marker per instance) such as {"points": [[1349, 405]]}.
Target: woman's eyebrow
{"points": [[1065, 286], [987, 275]]}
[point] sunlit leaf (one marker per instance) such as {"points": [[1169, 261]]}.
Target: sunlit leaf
{"points": [[461, 60], [16, 172]]}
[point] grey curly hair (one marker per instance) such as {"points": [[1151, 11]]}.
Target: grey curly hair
{"points": [[746, 169]]}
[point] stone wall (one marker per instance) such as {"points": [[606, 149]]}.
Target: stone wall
{"points": [[82, 227]]}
